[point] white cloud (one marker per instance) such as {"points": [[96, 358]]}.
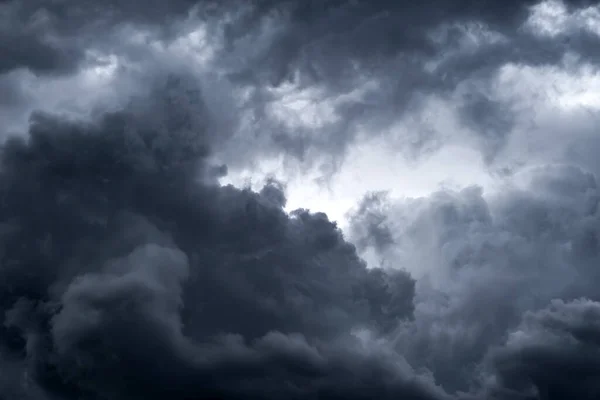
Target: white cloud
{"points": [[567, 87], [551, 19]]}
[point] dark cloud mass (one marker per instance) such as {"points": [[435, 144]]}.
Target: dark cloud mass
{"points": [[385, 55], [129, 270]]}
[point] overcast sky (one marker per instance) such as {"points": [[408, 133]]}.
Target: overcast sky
{"points": [[299, 199]]}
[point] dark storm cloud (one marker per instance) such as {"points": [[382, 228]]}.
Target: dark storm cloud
{"points": [[552, 355], [333, 46], [410, 51], [52, 37], [482, 264], [128, 272], [329, 40]]}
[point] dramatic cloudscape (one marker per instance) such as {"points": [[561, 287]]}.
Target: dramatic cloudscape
{"points": [[299, 199]]}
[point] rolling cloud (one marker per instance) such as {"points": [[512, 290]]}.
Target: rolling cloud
{"points": [[130, 270]]}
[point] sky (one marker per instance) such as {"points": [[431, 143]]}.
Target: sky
{"points": [[299, 199]]}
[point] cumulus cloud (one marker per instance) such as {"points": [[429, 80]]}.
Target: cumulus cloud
{"points": [[129, 270], [552, 354], [482, 262]]}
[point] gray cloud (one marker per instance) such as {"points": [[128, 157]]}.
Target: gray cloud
{"points": [[52, 38], [482, 262], [410, 52], [128, 272], [398, 53], [553, 354]]}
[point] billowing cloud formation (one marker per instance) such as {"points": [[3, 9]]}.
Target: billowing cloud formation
{"points": [[129, 271], [482, 264], [307, 78], [553, 354]]}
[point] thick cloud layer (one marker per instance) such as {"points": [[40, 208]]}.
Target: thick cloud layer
{"points": [[365, 63], [483, 263], [553, 354], [129, 271]]}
